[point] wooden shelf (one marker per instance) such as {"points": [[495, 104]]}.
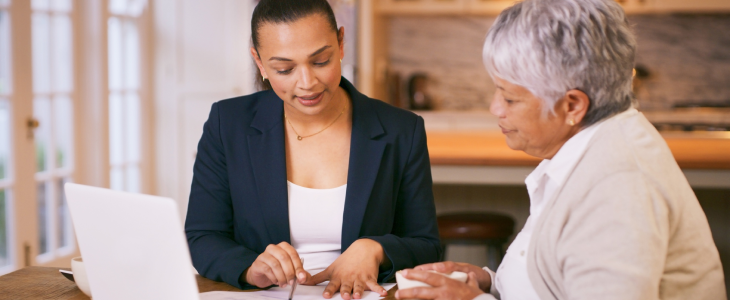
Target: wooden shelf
{"points": [[488, 148], [494, 7]]}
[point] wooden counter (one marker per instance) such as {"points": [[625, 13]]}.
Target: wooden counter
{"points": [[48, 283], [483, 157]]}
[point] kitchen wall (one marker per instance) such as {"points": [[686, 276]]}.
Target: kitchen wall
{"points": [[688, 57]]}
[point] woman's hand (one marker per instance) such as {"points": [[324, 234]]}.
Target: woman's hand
{"points": [[442, 287], [355, 271], [278, 265], [482, 277]]}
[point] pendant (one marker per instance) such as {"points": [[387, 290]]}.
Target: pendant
{"points": [[299, 138]]}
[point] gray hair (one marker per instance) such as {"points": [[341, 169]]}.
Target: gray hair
{"points": [[553, 46]]}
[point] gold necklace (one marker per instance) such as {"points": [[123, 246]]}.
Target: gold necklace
{"points": [[299, 137]]}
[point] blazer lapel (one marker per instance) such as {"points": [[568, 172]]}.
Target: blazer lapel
{"points": [[365, 155], [268, 160]]}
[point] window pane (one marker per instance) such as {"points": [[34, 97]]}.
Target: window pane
{"points": [[64, 222], [4, 53], [133, 180], [116, 129], [42, 218], [118, 7], [4, 139], [115, 54], [132, 128], [61, 5], [63, 131], [41, 53], [117, 179], [4, 259], [136, 7], [62, 54], [131, 56], [40, 4], [42, 112]]}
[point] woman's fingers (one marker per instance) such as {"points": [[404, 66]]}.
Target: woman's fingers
{"points": [[303, 277], [299, 273], [331, 289], [345, 290], [260, 269], [472, 280], [446, 267], [416, 293], [273, 266], [442, 287], [426, 267], [357, 289], [432, 279], [318, 278], [375, 287], [284, 261]]}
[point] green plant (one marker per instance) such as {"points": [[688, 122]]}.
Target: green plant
{"points": [[59, 158], [2, 167], [3, 231], [40, 156]]}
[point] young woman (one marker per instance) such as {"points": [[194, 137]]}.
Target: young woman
{"points": [[310, 170]]}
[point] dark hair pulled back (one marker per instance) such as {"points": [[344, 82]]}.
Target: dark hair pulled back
{"points": [[285, 11]]}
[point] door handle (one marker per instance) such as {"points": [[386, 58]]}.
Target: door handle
{"points": [[32, 124]]}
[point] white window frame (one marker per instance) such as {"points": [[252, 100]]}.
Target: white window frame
{"points": [[53, 174], [145, 164]]}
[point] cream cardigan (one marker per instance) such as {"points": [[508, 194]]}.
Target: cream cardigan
{"points": [[625, 225]]}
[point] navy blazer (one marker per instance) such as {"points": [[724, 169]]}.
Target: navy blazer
{"points": [[239, 202]]}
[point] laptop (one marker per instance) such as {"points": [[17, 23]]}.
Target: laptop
{"points": [[133, 245]]}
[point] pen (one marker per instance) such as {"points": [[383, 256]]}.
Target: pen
{"points": [[294, 286]]}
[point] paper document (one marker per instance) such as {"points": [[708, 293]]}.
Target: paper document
{"points": [[303, 292]]}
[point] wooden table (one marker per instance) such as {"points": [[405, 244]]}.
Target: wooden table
{"points": [[48, 283], [483, 157]]}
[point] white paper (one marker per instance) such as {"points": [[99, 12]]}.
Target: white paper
{"points": [[303, 292]]}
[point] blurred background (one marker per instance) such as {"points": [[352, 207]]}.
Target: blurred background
{"points": [[114, 93]]}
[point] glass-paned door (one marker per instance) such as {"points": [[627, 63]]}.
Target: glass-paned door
{"points": [[6, 182], [53, 78], [125, 114]]}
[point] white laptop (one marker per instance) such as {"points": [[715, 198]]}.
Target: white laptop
{"points": [[133, 245]]}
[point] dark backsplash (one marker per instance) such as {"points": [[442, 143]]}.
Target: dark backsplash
{"points": [[687, 57]]}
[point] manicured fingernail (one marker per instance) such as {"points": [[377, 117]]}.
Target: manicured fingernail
{"points": [[356, 296], [302, 276], [397, 294], [405, 272], [326, 294]]}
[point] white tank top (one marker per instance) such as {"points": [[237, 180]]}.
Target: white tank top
{"points": [[315, 224]]}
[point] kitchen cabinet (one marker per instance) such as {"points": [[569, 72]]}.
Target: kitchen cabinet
{"points": [[493, 7], [374, 17], [442, 7], [713, 6]]}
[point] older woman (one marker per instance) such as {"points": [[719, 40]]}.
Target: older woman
{"points": [[611, 216]]}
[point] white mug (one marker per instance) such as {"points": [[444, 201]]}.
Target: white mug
{"points": [[82, 281]]}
